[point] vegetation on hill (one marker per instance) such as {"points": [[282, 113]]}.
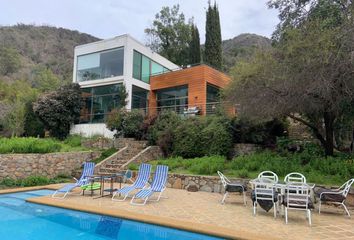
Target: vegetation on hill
{"points": [[31, 47], [242, 47]]}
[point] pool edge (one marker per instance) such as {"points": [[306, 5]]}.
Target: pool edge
{"points": [[207, 229]]}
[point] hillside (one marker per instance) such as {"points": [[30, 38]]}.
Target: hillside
{"points": [[52, 47], [42, 46], [242, 46]]}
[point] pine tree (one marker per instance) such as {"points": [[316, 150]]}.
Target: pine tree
{"points": [[213, 50], [194, 46]]}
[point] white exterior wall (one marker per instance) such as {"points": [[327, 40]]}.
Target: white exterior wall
{"points": [[129, 44]]}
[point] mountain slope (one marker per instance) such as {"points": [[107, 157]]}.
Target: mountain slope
{"points": [[241, 47], [42, 46]]}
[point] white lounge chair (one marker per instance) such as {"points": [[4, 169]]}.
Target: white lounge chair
{"points": [[140, 183], [158, 186], [89, 168]]}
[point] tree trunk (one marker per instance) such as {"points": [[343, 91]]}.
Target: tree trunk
{"points": [[329, 118]]}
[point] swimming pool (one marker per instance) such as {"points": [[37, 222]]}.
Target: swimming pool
{"points": [[21, 220]]}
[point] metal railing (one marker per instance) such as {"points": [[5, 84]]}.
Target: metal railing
{"points": [[186, 110]]}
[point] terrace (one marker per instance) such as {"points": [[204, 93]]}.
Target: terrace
{"points": [[202, 212]]}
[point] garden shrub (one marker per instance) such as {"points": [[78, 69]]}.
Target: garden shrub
{"points": [[188, 138], [105, 154], [266, 133], [216, 137], [127, 124], [34, 181], [162, 132], [59, 109], [73, 140]]}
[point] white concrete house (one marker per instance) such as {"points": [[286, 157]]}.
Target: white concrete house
{"points": [[100, 68]]}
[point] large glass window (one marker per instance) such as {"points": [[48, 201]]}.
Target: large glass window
{"points": [[98, 102], [100, 65], [139, 98], [144, 67], [175, 99], [213, 98]]}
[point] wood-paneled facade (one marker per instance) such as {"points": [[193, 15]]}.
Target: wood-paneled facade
{"points": [[196, 78]]}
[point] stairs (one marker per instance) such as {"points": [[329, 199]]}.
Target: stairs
{"points": [[114, 163]]}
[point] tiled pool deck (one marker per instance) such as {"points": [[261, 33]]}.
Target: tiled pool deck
{"points": [[202, 211]]}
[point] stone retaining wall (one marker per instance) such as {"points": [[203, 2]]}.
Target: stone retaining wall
{"points": [[18, 166]]}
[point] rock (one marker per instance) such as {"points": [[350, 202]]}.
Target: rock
{"points": [[177, 184], [192, 188], [206, 188], [217, 188]]}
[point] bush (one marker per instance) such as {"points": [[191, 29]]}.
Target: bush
{"points": [[73, 140], [216, 137], [34, 181], [105, 154], [246, 131], [127, 124], [58, 110], [28, 145], [187, 138], [162, 132]]}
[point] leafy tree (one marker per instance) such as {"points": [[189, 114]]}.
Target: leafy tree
{"points": [[13, 98], [308, 76], [194, 46], [44, 79], [59, 109], [170, 35], [33, 126], [213, 49], [10, 60]]}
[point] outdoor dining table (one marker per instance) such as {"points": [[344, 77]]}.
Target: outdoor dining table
{"points": [[102, 179], [280, 186]]}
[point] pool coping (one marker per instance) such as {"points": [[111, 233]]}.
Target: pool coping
{"points": [[201, 228]]}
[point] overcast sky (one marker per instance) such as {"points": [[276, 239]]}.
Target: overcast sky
{"points": [[109, 18]]}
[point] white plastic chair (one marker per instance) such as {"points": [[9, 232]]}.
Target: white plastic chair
{"points": [[297, 198], [228, 185], [264, 192], [269, 175], [295, 177], [341, 191]]}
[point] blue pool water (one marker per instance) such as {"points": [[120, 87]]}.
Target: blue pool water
{"points": [[27, 221]]}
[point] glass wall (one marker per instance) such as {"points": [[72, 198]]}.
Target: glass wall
{"points": [[100, 65], [139, 98], [144, 67], [213, 98], [98, 102], [175, 98]]}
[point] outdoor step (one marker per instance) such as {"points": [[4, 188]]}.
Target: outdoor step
{"points": [[113, 165], [108, 170]]}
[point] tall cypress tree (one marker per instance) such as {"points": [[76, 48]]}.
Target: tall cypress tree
{"points": [[194, 46], [213, 50]]}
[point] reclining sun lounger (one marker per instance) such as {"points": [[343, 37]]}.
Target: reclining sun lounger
{"points": [[140, 183], [158, 186], [89, 168]]}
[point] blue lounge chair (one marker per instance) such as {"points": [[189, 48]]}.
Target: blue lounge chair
{"points": [[158, 186], [140, 183], [89, 168]]}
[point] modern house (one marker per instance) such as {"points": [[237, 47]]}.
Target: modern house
{"points": [[151, 81]]}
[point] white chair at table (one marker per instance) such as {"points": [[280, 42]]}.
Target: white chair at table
{"points": [[294, 177], [264, 191], [297, 197], [269, 175]]}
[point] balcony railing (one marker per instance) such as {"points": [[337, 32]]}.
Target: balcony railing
{"points": [[186, 110]]}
